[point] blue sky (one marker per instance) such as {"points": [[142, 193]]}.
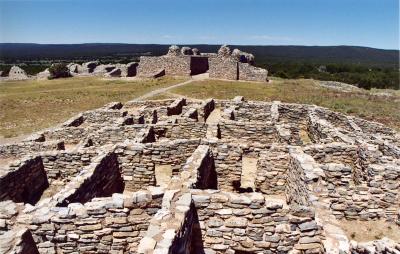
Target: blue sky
{"points": [[373, 23]]}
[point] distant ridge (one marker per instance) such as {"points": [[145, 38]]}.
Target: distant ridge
{"points": [[315, 54]]}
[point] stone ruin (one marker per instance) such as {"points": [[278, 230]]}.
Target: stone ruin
{"points": [[16, 73], [235, 65], [185, 61], [212, 176]]}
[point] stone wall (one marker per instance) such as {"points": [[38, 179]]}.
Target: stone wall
{"points": [[252, 223], [182, 130], [272, 170], [99, 180], [64, 165], [25, 148], [248, 132], [173, 65], [18, 241], [137, 161], [223, 68], [103, 225], [252, 73], [23, 181]]}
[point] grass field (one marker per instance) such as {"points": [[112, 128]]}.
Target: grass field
{"points": [[364, 104], [28, 106]]}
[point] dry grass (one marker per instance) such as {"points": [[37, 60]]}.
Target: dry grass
{"points": [[28, 106], [364, 231], [368, 105]]}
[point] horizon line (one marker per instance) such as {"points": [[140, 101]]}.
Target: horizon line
{"points": [[209, 44]]}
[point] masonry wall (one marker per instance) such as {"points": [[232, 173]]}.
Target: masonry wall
{"points": [[253, 112], [19, 150], [252, 223], [377, 198], [252, 73], [272, 167], [64, 165], [70, 135], [173, 65], [248, 132], [296, 189], [223, 68], [104, 225], [24, 182], [138, 161], [182, 130]]}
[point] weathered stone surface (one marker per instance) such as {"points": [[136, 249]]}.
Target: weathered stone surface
{"points": [[16, 73]]}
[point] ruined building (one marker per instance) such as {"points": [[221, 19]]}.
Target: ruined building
{"points": [[235, 65], [213, 176]]}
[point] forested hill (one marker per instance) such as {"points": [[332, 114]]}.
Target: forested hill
{"points": [[312, 54], [361, 66]]}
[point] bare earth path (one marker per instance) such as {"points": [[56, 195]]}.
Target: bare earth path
{"points": [[163, 90], [159, 91]]}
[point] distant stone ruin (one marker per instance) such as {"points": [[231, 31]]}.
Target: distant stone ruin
{"points": [[214, 176], [236, 65], [16, 73]]}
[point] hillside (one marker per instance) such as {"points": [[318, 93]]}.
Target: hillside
{"points": [[312, 54]]}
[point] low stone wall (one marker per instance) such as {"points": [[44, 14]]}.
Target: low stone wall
{"points": [[182, 130], [23, 181], [64, 165], [70, 135], [272, 167], [18, 241], [199, 170], [301, 173], [99, 180], [116, 134], [337, 119], [252, 112], [104, 225], [293, 113], [248, 132], [228, 164], [252, 73], [138, 161], [102, 116], [377, 198], [252, 223], [19, 150], [373, 128]]}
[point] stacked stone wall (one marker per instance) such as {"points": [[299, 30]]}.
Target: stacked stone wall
{"points": [[100, 180], [24, 181], [248, 132], [272, 169], [173, 65], [252, 73], [252, 223], [138, 161], [64, 165], [224, 68], [104, 225], [22, 149]]}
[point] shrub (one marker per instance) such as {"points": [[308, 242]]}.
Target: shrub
{"points": [[59, 70]]}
